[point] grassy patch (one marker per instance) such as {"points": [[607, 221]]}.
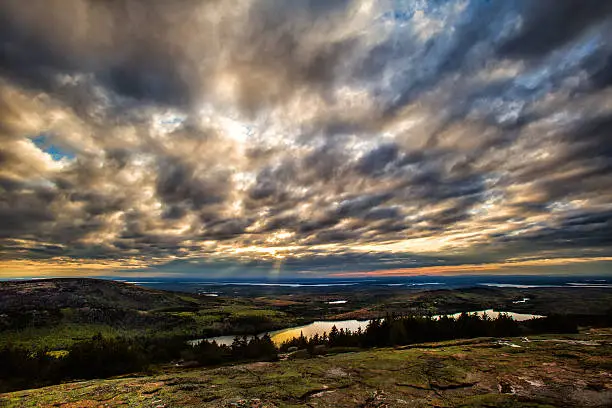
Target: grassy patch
{"points": [[61, 336], [450, 374]]}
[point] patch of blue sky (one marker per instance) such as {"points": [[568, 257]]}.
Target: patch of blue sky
{"points": [[169, 122], [398, 16], [402, 11], [173, 120], [57, 153]]}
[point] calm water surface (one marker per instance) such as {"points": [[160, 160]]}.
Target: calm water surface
{"points": [[519, 317], [320, 327], [308, 330]]}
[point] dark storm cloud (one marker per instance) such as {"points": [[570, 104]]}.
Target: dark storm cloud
{"points": [[333, 236], [326, 163], [280, 222], [114, 40], [377, 159], [358, 205], [579, 232], [549, 24], [382, 213], [601, 72], [591, 140], [8, 247], [309, 226], [272, 180], [225, 229], [174, 212], [23, 217], [180, 183]]}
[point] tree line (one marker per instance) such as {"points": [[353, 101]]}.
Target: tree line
{"points": [[399, 330], [101, 357]]}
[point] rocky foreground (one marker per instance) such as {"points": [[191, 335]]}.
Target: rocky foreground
{"points": [[548, 371]]}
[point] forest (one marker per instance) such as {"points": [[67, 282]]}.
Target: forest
{"points": [[102, 357]]}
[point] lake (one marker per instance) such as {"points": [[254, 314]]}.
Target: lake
{"points": [[519, 317], [308, 330], [320, 327]]}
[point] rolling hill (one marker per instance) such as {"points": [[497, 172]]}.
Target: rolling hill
{"points": [[544, 372]]}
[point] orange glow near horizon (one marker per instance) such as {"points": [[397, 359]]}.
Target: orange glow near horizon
{"points": [[73, 268], [470, 268]]}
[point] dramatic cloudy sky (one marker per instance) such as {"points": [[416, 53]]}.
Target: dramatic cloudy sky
{"points": [[309, 137]]}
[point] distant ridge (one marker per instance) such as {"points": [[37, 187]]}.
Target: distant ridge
{"points": [[83, 292]]}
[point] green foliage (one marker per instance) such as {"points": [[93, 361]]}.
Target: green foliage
{"points": [[104, 357], [396, 330], [464, 373], [101, 357]]}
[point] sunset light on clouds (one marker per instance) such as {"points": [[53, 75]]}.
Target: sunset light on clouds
{"points": [[305, 138]]}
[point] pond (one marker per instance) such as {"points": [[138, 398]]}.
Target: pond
{"points": [[519, 317], [320, 327], [308, 330]]}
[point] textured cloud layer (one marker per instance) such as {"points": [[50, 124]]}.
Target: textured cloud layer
{"points": [[304, 135]]}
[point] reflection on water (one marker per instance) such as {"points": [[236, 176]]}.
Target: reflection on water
{"points": [[309, 330], [221, 340], [519, 317], [320, 327]]}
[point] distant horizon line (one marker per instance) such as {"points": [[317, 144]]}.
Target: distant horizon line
{"points": [[120, 278]]}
